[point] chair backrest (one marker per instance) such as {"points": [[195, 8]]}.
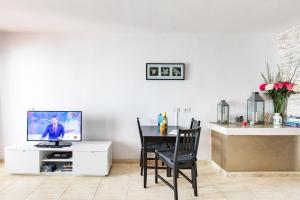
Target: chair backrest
{"points": [[187, 142], [195, 124], [140, 130]]}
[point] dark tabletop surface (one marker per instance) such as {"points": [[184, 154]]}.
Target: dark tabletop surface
{"points": [[153, 131]]}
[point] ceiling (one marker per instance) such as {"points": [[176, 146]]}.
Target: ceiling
{"points": [[150, 16]]}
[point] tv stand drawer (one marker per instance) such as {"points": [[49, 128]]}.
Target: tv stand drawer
{"points": [[22, 161], [90, 163]]}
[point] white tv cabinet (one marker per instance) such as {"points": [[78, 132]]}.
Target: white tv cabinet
{"points": [[92, 158]]}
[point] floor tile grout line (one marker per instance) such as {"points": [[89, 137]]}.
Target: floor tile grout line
{"points": [[21, 178], [11, 184], [64, 190], [96, 190], [35, 189]]}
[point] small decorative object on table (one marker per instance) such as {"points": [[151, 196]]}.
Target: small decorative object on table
{"points": [[255, 109], [223, 112], [245, 123], [268, 118], [277, 119], [239, 119], [280, 87]]}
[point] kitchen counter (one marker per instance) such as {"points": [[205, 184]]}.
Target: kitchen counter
{"points": [[258, 148]]}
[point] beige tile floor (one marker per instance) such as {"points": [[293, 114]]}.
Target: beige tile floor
{"points": [[125, 183]]}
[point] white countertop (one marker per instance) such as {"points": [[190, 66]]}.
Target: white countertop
{"points": [[263, 129]]}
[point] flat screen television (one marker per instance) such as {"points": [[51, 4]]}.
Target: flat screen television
{"points": [[54, 126]]}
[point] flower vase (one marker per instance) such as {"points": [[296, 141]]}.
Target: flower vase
{"points": [[280, 105], [277, 119]]}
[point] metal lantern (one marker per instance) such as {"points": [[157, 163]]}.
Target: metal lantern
{"points": [[223, 112], [255, 109]]}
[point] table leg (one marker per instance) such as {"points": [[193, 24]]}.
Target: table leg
{"points": [[145, 162], [168, 172]]}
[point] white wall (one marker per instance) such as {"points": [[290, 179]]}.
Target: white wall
{"points": [[1, 86], [4, 49], [104, 76]]}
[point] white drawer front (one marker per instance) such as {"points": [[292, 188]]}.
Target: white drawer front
{"points": [[17, 161], [90, 163]]}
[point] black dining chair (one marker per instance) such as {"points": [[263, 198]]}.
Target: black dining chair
{"points": [[151, 147], [194, 124], [184, 156]]}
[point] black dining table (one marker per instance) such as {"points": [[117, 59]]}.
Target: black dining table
{"points": [[152, 134]]}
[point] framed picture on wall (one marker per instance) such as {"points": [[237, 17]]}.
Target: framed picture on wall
{"points": [[165, 71]]}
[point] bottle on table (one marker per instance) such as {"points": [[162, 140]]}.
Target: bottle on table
{"points": [[165, 118], [164, 124], [162, 128], [159, 120]]}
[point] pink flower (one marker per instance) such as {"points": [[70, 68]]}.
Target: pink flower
{"points": [[262, 87], [289, 86], [285, 83], [278, 85]]}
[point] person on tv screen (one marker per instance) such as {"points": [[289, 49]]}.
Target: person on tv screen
{"points": [[55, 130]]}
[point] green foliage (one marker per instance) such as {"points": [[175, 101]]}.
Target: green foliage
{"points": [[290, 75]]}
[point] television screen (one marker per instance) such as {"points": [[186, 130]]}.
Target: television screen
{"points": [[54, 125]]}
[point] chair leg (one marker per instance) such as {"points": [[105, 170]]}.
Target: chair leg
{"points": [[196, 169], [175, 184], [156, 171], [142, 165], [194, 179], [168, 171], [141, 158]]}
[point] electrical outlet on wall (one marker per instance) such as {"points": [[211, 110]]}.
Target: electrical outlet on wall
{"points": [[187, 110]]}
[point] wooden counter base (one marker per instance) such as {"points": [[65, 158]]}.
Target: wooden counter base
{"points": [[248, 153]]}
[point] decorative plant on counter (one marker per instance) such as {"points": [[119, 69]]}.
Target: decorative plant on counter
{"points": [[281, 87]]}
